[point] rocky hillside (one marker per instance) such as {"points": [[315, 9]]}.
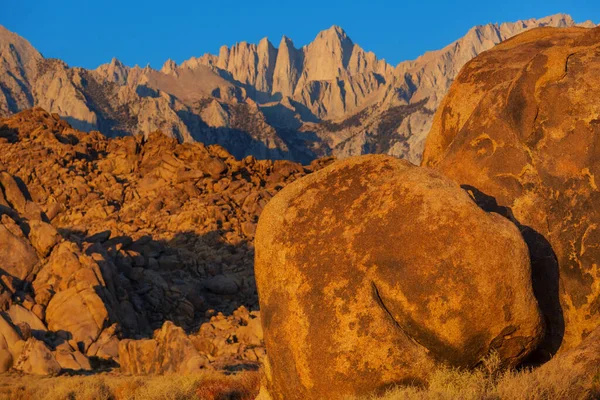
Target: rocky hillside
{"points": [[104, 240], [329, 97]]}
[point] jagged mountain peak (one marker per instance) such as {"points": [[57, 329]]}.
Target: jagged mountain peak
{"points": [[265, 42], [18, 44], [559, 18], [334, 35], [18, 67], [244, 46], [285, 40], [286, 43], [334, 31], [169, 67], [587, 24], [6, 34], [115, 71]]}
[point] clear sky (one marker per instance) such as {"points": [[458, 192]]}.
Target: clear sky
{"points": [[89, 33]]}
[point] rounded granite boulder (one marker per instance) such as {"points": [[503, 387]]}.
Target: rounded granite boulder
{"points": [[372, 270]]}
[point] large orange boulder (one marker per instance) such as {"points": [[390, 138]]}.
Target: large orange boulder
{"points": [[520, 129], [372, 270]]}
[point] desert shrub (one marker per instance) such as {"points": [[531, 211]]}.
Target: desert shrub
{"points": [[490, 382], [245, 388], [551, 382], [164, 387], [447, 383]]}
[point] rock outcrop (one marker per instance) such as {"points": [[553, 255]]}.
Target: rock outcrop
{"points": [[169, 351], [11, 344], [329, 97], [36, 358], [218, 343], [372, 270], [519, 129]]}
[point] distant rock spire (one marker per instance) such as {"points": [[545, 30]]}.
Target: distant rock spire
{"points": [[169, 68], [287, 68]]}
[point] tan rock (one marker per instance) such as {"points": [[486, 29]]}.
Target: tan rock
{"points": [[119, 255], [19, 314], [43, 237], [80, 313], [65, 268], [252, 333], [36, 358], [18, 257], [372, 270], [169, 351], [12, 192], [9, 339], [6, 360], [221, 284], [8, 335], [107, 345], [71, 359], [215, 167]]}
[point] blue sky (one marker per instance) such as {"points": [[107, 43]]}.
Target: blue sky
{"points": [[89, 33]]}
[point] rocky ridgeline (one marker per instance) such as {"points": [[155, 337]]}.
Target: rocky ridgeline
{"points": [[329, 97], [148, 240]]}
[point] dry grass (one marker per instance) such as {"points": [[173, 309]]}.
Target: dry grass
{"points": [[205, 386], [490, 383], [486, 383]]}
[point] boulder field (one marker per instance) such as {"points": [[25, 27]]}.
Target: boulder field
{"points": [[373, 270], [120, 249]]}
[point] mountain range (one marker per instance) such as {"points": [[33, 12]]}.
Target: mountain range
{"points": [[329, 97]]}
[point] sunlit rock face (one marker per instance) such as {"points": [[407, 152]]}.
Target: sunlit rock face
{"points": [[372, 270], [519, 129]]}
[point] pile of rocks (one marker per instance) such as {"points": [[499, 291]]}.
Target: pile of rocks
{"points": [[105, 239]]}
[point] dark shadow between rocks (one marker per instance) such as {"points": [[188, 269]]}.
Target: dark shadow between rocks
{"points": [[211, 283], [79, 124], [11, 135], [545, 277]]}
